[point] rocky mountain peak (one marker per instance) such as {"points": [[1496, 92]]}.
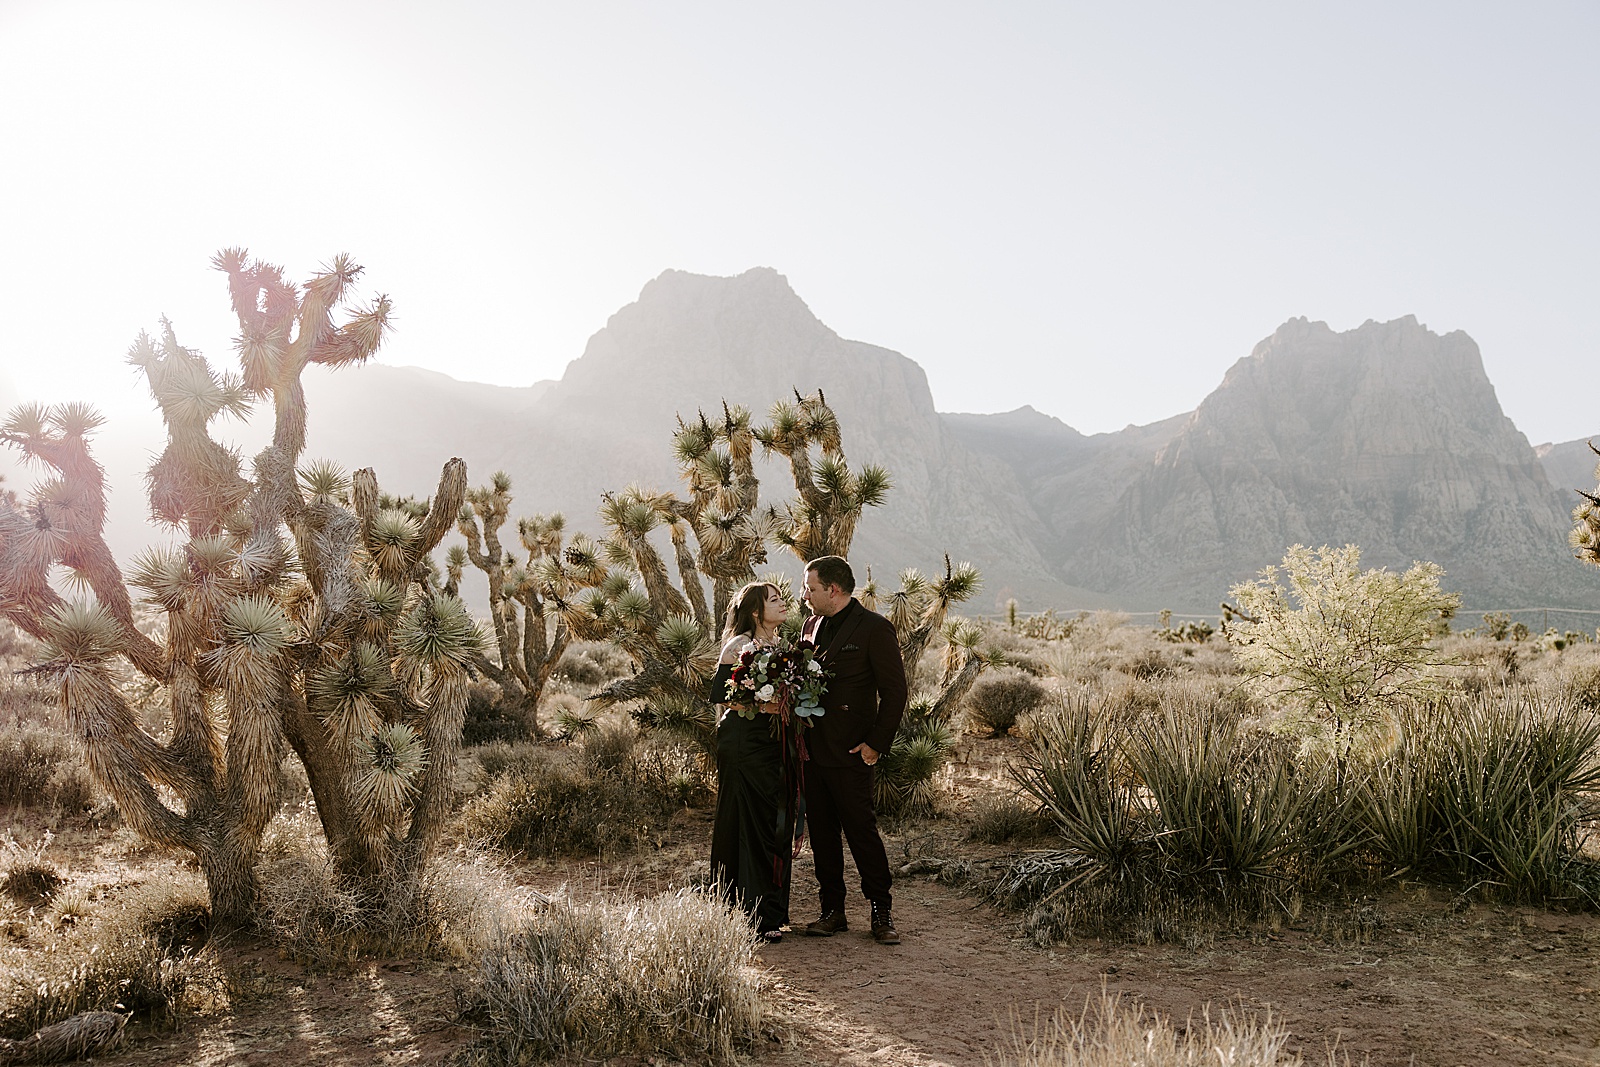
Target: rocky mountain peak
{"points": [[1388, 436]]}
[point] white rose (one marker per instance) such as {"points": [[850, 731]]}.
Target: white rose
{"points": [[765, 693], [814, 667]]}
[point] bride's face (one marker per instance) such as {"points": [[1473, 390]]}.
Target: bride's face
{"points": [[775, 610]]}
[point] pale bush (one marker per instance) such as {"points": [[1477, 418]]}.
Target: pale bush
{"points": [[672, 974], [610, 794], [43, 766], [144, 957], [996, 820], [1109, 1033], [1343, 644], [450, 910]]}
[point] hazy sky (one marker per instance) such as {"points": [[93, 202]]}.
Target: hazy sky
{"points": [[1091, 208]]}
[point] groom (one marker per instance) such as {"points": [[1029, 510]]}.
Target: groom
{"points": [[866, 697]]}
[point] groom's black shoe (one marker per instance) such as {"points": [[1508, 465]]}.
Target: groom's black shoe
{"points": [[832, 922], [883, 931]]}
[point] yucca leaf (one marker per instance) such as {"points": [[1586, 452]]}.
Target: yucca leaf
{"points": [[389, 764], [82, 633]]}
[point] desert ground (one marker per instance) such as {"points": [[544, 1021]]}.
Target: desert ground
{"points": [[1404, 972]]}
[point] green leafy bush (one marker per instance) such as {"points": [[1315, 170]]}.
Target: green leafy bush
{"points": [[1342, 644], [999, 699]]}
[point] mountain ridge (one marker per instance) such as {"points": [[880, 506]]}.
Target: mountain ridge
{"points": [[1387, 435]]}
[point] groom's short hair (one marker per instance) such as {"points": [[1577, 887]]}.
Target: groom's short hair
{"points": [[833, 570]]}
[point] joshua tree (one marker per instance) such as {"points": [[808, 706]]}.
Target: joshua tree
{"points": [[331, 643], [632, 601], [830, 496], [716, 461], [671, 629], [918, 610], [530, 634]]}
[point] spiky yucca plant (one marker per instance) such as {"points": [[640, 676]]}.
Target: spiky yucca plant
{"points": [[331, 641], [524, 596]]}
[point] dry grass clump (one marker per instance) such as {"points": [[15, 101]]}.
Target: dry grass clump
{"points": [[1110, 1033], [1000, 698], [31, 882], [145, 959], [587, 665], [673, 974], [997, 820], [315, 915], [42, 766], [609, 794]]}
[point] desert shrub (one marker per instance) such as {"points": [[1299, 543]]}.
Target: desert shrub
{"points": [[1225, 801], [997, 700], [1122, 698], [1168, 821], [590, 664], [146, 959], [1198, 806], [487, 719], [42, 766], [998, 820], [315, 915], [1148, 663], [24, 702], [673, 974], [1073, 767], [1342, 644], [607, 796], [1030, 662], [1110, 1033], [26, 876], [502, 758], [906, 778]]}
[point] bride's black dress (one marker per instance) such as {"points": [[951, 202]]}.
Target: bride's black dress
{"points": [[752, 837]]}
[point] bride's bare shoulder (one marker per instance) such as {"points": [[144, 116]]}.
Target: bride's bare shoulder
{"points": [[735, 645]]}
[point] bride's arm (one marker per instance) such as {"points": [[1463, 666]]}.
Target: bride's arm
{"points": [[720, 683]]}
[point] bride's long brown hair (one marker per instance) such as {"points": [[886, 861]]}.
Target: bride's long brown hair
{"points": [[744, 611]]}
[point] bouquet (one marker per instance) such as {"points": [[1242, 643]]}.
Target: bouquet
{"points": [[788, 675]]}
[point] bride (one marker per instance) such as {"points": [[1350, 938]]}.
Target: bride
{"points": [[751, 853]]}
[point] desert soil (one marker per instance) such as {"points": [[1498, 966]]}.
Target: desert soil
{"points": [[1407, 979]]}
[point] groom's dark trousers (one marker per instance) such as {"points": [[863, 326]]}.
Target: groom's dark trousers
{"points": [[839, 801], [865, 700]]}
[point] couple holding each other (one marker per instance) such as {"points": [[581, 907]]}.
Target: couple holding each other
{"points": [[759, 789]]}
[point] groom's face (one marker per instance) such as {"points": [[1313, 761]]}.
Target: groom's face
{"points": [[824, 599]]}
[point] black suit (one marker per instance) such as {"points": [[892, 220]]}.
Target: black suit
{"points": [[865, 700]]}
